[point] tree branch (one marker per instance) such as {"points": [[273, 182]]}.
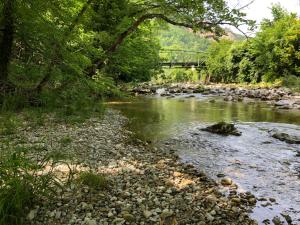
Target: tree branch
{"points": [[120, 39], [70, 29]]}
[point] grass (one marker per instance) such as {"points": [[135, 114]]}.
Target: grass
{"points": [[65, 141], [92, 180], [22, 185], [9, 124]]}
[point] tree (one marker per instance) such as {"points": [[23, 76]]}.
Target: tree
{"points": [[199, 15]]}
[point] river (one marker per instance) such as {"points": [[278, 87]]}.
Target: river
{"points": [[257, 162]]}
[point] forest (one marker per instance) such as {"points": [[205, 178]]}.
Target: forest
{"points": [[106, 106]]}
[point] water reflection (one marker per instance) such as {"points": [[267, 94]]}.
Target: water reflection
{"points": [[157, 118]]}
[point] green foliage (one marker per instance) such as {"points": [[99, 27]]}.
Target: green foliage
{"points": [[271, 55], [292, 82], [93, 180], [59, 45], [178, 75], [217, 62], [9, 124], [178, 38], [142, 49], [22, 184]]}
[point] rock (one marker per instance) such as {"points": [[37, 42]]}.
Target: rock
{"points": [[190, 96], [118, 221], [58, 215], [223, 129], [228, 98], [110, 214], [276, 220], [290, 139], [147, 213], [287, 218], [236, 200], [226, 181], [89, 221], [252, 201], [220, 175], [209, 217], [128, 217], [284, 103], [166, 213], [32, 214]]}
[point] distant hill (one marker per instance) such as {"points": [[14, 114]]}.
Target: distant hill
{"points": [[173, 37], [234, 36]]}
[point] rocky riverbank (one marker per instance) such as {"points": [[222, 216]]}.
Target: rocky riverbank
{"points": [[146, 185], [281, 98]]}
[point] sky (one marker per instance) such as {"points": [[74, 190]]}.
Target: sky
{"points": [[261, 8]]}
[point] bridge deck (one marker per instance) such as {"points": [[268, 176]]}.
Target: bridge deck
{"points": [[182, 64]]}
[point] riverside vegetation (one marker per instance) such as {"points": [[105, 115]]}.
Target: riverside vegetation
{"points": [[66, 160]]}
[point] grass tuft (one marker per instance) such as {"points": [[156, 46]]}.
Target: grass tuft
{"points": [[92, 180], [22, 184]]}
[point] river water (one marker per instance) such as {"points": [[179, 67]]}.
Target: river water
{"points": [[257, 162]]}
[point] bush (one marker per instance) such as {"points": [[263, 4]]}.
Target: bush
{"points": [[292, 82]]}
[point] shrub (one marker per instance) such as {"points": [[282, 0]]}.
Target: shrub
{"points": [[292, 82]]}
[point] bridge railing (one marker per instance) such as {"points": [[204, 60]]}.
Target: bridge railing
{"points": [[181, 58]]}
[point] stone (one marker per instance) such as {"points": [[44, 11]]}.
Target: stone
{"points": [[228, 98], [32, 214], [287, 218], [290, 139], [223, 128], [58, 215], [128, 217], [226, 181], [283, 103], [252, 201], [89, 221], [147, 213], [166, 213], [276, 220]]}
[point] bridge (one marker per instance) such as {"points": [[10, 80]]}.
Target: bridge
{"points": [[178, 58]]}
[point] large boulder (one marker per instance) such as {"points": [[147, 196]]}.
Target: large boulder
{"points": [[223, 129]]}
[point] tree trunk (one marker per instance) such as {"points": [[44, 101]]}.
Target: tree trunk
{"points": [[6, 43]]}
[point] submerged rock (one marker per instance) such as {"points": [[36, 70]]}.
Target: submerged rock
{"points": [[223, 129], [287, 138]]}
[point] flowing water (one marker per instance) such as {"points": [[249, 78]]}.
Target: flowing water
{"points": [[257, 162]]}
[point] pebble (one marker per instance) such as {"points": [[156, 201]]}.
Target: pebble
{"points": [[226, 181], [146, 185]]}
